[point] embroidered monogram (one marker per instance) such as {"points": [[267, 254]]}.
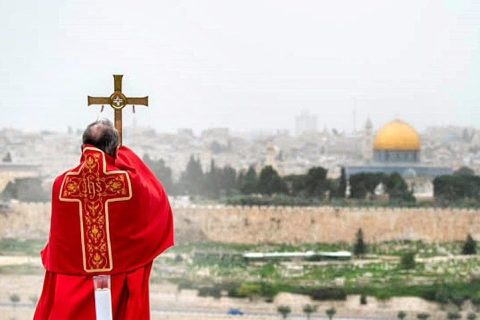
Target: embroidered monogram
{"points": [[94, 188]]}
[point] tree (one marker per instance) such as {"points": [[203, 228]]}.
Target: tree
{"points": [[451, 188], [14, 298], [470, 246], [163, 173], [296, 184], [454, 315], [192, 178], [212, 182], [464, 171], [471, 316], [407, 261], [270, 182], [26, 189], [227, 180], [401, 315], [457, 300], [397, 188], [284, 311], [316, 183], [423, 316], [475, 300], [7, 158], [330, 312], [250, 290], [363, 184], [360, 247], [308, 309], [342, 185], [250, 182], [442, 296]]}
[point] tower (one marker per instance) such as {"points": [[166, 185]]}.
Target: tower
{"points": [[367, 151]]}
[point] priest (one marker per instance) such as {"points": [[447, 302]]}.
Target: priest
{"points": [[110, 216]]}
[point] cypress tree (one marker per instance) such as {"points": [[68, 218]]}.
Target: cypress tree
{"points": [[360, 247], [470, 246]]}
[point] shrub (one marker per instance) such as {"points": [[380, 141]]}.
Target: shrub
{"points": [[408, 261], [14, 298], [476, 302], [457, 300], [470, 246], [210, 292], [329, 294], [284, 311], [330, 312], [360, 248], [308, 309], [363, 299], [471, 316], [454, 316], [249, 290]]}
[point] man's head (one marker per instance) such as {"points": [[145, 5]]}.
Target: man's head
{"points": [[103, 135]]}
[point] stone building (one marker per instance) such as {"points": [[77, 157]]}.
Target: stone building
{"points": [[397, 148]]}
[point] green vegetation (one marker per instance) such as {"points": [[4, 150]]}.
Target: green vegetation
{"points": [[14, 298], [363, 185], [401, 315], [308, 309], [330, 312], [26, 190], [284, 311], [360, 247], [9, 246], [407, 261], [471, 316], [454, 315], [219, 269], [458, 188], [267, 187], [470, 246]]}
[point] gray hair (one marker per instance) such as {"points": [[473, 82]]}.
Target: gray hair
{"points": [[102, 135]]}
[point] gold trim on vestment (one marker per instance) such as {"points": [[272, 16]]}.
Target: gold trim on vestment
{"points": [[89, 188]]}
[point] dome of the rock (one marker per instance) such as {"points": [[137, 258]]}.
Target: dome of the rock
{"points": [[397, 135], [397, 141]]}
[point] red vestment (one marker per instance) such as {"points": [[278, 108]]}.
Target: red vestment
{"points": [[109, 216]]}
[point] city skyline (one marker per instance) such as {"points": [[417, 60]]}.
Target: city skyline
{"points": [[246, 66]]}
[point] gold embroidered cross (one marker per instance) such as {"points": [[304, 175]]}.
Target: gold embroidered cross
{"points": [[93, 188], [118, 101]]}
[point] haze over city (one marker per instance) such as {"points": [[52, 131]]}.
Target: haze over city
{"points": [[250, 65]]}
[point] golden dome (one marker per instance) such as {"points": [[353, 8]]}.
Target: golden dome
{"points": [[397, 135]]}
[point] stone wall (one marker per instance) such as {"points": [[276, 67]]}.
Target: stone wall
{"points": [[280, 224], [323, 224], [25, 221]]}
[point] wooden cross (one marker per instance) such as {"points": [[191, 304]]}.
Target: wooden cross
{"points": [[93, 188], [118, 101]]}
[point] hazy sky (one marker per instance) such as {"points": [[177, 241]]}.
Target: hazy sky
{"points": [[250, 64]]}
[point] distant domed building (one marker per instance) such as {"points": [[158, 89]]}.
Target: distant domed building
{"points": [[397, 148], [397, 142]]}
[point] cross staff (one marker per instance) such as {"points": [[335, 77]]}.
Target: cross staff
{"points": [[118, 101]]}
